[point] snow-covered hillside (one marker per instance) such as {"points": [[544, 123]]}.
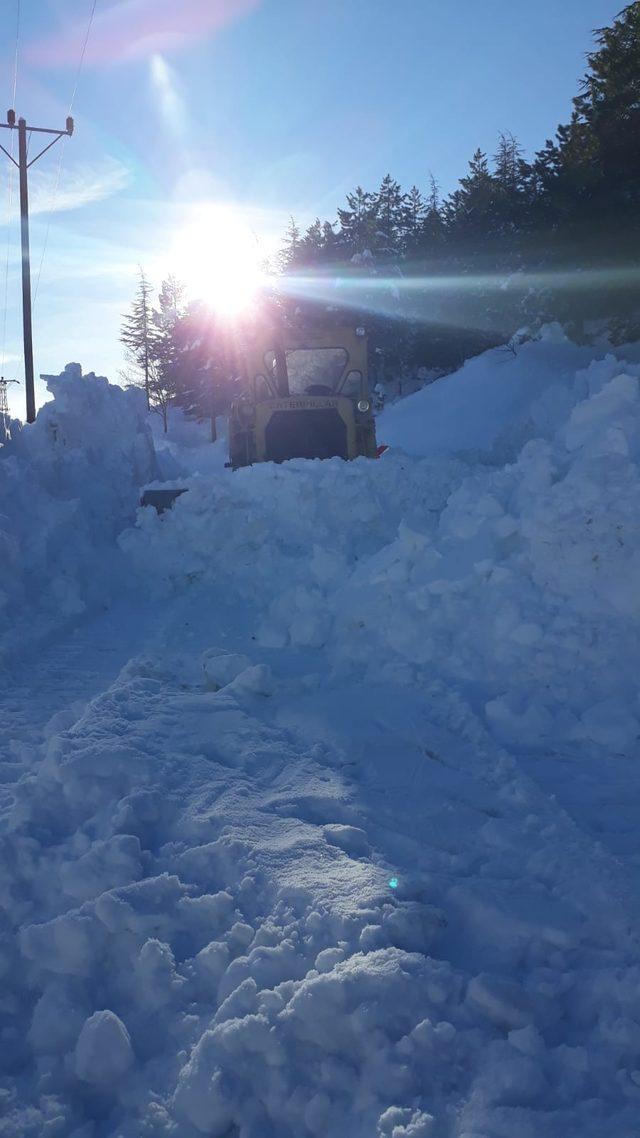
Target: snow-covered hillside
{"points": [[320, 812]]}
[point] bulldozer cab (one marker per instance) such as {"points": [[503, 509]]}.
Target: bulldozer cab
{"points": [[305, 395]]}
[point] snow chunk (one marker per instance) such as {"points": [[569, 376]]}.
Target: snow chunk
{"points": [[221, 667], [256, 680], [349, 838], [103, 1051], [610, 723], [397, 1122], [503, 1001]]}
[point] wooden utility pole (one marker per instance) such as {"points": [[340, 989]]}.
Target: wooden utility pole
{"points": [[23, 165]]}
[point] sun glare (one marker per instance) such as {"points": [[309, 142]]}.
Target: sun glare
{"points": [[218, 259]]}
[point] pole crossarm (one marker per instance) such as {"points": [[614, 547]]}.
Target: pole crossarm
{"points": [[12, 125], [36, 129]]}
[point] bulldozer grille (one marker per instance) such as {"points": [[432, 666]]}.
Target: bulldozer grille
{"points": [[306, 434]]}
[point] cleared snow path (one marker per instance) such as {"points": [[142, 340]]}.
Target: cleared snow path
{"points": [[307, 864], [48, 687]]}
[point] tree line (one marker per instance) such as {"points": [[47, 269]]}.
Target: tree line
{"points": [[435, 280], [518, 242]]}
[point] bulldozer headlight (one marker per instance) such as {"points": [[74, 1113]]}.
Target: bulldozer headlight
{"points": [[363, 406]]}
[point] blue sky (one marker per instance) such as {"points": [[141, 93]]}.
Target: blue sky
{"points": [[268, 107]]}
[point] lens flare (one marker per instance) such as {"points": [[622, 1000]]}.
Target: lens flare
{"points": [[218, 259], [439, 296]]}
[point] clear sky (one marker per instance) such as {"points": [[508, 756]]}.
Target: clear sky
{"points": [[264, 107]]}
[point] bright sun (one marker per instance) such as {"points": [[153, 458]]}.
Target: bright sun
{"points": [[218, 259]]}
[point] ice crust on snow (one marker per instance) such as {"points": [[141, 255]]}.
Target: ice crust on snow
{"points": [[326, 678]]}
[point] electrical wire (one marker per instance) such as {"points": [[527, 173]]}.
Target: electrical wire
{"points": [[82, 55], [52, 203], [63, 146], [15, 56], [10, 194]]}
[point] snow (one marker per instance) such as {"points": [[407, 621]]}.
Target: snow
{"points": [[498, 400], [68, 485], [103, 1050], [319, 812]]}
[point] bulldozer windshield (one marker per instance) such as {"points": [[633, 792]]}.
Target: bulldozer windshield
{"points": [[312, 371]]}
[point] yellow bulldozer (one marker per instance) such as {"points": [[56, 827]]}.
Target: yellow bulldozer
{"points": [[304, 394]]}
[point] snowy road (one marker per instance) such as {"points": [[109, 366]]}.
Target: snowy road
{"points": [[326, 825]]}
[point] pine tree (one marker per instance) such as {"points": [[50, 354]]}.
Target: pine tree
{"points": [[137, 333], [507, 160], [609, 104], [433, 233], [587, 206], [514, 187], [391, 210], [165, 371], [590, 173], [290, 251], [470, 211], [330, 241], [205, 365], [312, 244], [413, 220], [358, 222]]}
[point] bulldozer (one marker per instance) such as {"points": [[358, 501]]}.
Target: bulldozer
{"points": [[304, 394]]}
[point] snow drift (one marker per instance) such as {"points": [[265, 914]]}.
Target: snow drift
{"points": [[497, 400]]}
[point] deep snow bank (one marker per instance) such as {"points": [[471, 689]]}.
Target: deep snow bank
{"points": [[68, 484], [496, 401]]}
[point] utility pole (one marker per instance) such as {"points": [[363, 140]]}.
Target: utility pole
{"points": [[4, 401], [23, 165]]}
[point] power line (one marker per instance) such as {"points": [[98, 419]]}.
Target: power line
{"points": [[10, 195], [56, 184], [82, 55], [15, 57], [54, 195], [6, 266]]}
